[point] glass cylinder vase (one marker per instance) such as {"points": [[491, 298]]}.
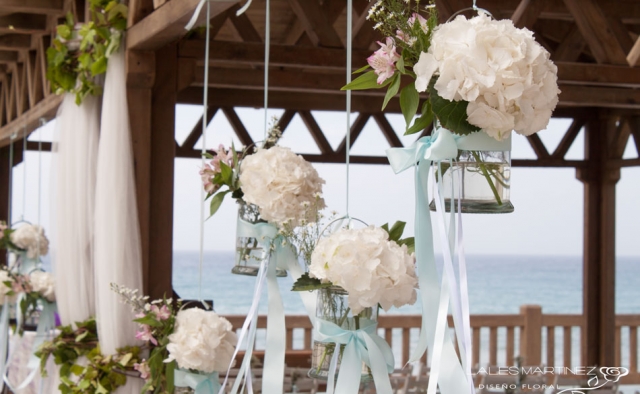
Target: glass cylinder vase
{"points": [[333, 306], [249, 252], [183, 390], [485, 179]]}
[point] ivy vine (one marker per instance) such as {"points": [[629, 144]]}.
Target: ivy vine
{"points": [[79, 52], [98, 374]]}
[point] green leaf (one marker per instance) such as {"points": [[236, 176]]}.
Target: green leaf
{"points": [[169, 376], [227, 172], [64, 31], [385, 227], [366, 81], [420, 124], [125, 359], [82, 336], [77, 370], [409, 101], [216, 201], [150, 321], [99, 67], [411, 244], [392, 91], [361, 69], [307, 283], [208, 155], [400, 64], [396, 231], [451, 114]]}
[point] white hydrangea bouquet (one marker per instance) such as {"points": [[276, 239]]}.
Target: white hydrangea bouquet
{"points": [[188, 346], [28, 240], [357, 271], [484, 79]]}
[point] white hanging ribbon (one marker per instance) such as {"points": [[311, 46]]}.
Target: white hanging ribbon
{"points": [[196, 13]]}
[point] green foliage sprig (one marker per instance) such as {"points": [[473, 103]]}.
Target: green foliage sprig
{"points": [[411, 36], [100, 374], [77, 56]]}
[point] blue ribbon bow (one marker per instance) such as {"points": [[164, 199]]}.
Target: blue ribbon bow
{"points": [[201, 383], [362, 345]]}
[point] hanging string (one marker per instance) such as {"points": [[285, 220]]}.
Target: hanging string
{"points": [[43, 122], [24, 172], [267, 47], [205, 105], [348, 137], [10, 186]]}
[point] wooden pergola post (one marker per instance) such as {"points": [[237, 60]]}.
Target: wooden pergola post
{"points": [[152, 93], [599, 178], [5, 170]]}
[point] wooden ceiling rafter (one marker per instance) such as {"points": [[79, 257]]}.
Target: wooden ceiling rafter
{"points": [[316, 24]]}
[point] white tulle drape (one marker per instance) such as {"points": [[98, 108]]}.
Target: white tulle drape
{"points": [[117, 250], [74, 165]]}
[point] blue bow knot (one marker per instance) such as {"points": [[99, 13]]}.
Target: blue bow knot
{"points": [[201, 383]]}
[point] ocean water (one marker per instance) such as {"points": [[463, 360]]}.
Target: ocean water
{"points": [[497, 284]]}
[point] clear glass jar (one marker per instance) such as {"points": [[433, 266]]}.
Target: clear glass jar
{"points": [[486, 181], [183, 390], [333, 306], [249, 252]]}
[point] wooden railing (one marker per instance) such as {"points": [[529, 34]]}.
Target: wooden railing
{"points": [[550, 339]]}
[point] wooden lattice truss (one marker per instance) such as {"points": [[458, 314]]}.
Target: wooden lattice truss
{"points": [[594, 43]]}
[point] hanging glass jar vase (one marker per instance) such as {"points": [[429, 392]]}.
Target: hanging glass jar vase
{"points": [[333, 306], [485, 179], [249, 251]]}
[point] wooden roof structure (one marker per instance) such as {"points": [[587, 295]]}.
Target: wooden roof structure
{"points": [[595, 44]]}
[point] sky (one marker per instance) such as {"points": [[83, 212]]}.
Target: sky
{"points": [[548, 217]]}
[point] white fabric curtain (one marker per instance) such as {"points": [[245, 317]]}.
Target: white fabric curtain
{"points": [[74, 167], [117, 250]]}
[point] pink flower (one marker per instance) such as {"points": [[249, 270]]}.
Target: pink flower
{"points": [[161, 313], [146, 334], [423, 22], [383, 60], [143, 368], [207, 173], [222, 155]]}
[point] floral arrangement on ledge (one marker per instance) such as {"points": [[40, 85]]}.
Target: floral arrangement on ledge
{"points": [[282, 185], [373, 265], [34, 291], [83, 369], [189, 340], [480, 74], [79, 54]]}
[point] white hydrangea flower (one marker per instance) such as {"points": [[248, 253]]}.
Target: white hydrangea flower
{"points": [[202, 341], [44, 284], [282, 184], [505, 75], [29, 237], [372, 269]]}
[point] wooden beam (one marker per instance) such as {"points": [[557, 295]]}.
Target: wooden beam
{"points": [[354, 132], [316, 132], [44, 109], [8, 56], [15, 42], [538, 146], [196, 132], [620, 139], [285, 119], [571, 47], [237, 126], [138, 10], [527, 13], [597, 31], [586, 96], [316, 24], [23, 23], [243, 26], [51, 7], [280, 55], [568, 139], [166, 24], [387, 130]]}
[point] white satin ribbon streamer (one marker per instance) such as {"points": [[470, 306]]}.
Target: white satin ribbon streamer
{"points": [[196, 13]]}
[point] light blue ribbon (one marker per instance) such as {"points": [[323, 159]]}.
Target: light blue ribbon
{"points": [[276, 254], [442, 145], [4, 340], [362, 345], [201, 383]]}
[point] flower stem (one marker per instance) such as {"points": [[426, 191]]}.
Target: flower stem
{"points": [[483, 168]]}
